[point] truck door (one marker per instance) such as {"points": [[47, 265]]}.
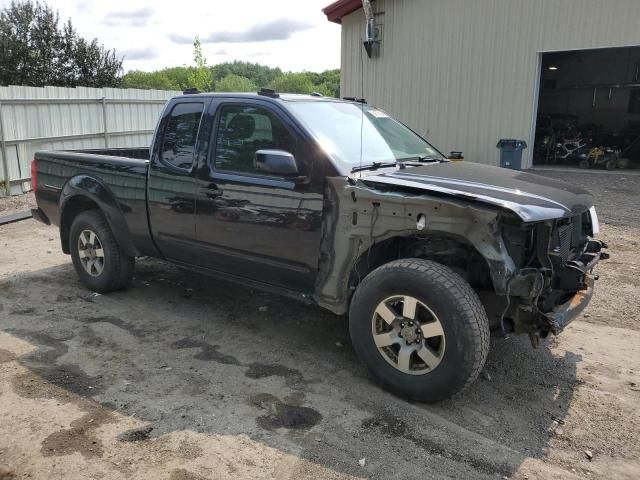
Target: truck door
{"points": [[171, 184], [254, 224]]}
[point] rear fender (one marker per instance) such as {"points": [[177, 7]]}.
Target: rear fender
{"points": [[83, 192]]}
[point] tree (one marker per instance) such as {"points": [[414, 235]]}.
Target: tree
{"points": [[158, 80], [35, 51], [179, 76], [325, 89], [95, 66], [328, 82], [260, 75], [200, 78], [292, 83], [235, 83], [235, 76]]}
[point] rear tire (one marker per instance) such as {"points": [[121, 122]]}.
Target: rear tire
{"points": [[420, 329], [97, 258]]}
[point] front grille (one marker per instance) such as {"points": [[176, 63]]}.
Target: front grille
{"points": [[569, 238], [565, 232]]}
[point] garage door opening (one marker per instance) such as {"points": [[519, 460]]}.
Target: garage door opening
{"points": [[589, 109]]}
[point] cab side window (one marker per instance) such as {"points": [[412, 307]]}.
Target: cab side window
{"points": [[242, 130], [180, 135]]}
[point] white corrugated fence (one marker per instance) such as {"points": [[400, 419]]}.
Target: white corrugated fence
{"points": [[57, 118]]}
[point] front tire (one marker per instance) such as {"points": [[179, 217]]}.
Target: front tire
{"points": [[97, 258], [420, 329]]}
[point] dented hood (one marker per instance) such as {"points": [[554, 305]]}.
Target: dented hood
{"points": [[531, 197]]}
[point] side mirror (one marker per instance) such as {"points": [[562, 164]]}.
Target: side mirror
{"points": [[277, 162]]}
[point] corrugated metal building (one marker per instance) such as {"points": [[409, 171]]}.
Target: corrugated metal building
{"points": [[467, 72]]}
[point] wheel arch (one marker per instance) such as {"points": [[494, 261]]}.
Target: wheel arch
{"points": [[82, 193], [446, 248]]}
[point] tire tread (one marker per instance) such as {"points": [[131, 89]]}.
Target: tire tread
{"points": [[123, 265], [467, 299]]}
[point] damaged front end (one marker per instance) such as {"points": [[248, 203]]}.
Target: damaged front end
{"points": [[533, 275], [554, 281]]}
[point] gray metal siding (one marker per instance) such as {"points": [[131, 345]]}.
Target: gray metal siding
{"points": [[465, 72], [38, 113]]}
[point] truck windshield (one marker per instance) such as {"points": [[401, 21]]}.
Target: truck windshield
{"points": [[338, 126]]}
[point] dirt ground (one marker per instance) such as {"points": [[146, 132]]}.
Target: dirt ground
{"points": [[184, 377], [17, 203], [617, 194]]}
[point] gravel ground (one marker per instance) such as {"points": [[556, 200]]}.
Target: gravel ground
{"points": [[17, 203], [617, 194], [184, 377]]}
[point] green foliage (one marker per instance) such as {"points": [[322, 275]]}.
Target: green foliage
{"points": [[260, 75], [198, 56], [234, 76], [292, 83], [200, 77], [36, 51], [235, 83], [323, 89], [178, 76], [158, 80], [327, 82]]}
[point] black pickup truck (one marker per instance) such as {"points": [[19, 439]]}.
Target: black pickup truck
{"points": [[334, 202]]}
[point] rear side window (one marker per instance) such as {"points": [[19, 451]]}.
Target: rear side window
{"points": [[179, 140]]}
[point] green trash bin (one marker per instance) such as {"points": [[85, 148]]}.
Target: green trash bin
{"points": [[511, 153]]}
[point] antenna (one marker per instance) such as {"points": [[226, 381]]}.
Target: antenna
{"points": [[361, 105]]}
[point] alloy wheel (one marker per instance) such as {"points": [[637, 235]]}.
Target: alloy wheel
{"points": [[91, 252], [408, 335]]}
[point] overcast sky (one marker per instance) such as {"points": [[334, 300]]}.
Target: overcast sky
{"points": [[290, 34]]}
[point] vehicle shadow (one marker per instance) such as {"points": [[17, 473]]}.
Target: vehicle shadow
{"points": [[183, 351]]}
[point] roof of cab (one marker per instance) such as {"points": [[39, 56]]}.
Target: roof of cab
{"points": [[287, 97]]}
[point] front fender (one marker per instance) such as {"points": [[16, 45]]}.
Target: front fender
{"points": [[358, 216], [83, 190]]}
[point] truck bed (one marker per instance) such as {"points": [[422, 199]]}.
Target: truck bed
{"points": [[114, 178]]}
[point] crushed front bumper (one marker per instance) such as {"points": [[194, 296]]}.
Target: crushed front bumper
{"points": [[561, 315]]}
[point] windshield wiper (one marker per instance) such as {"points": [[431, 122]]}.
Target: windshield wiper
{"points": [[373, 166], [423, 159]]}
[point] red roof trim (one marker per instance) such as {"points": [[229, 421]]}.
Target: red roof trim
{"points": [[340, 8]]}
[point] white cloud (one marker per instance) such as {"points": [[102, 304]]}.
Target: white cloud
{"points": [[290, 34], [279, 29], [132, 18], [144, 53]]}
